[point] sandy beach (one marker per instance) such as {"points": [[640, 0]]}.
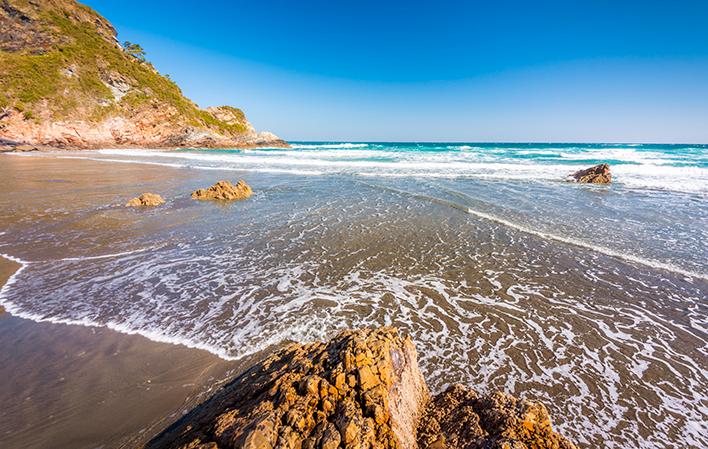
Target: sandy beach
{"points": [[76, 387], [70, 386]]}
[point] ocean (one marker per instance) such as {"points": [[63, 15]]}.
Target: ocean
{"points": [[591, 298]]}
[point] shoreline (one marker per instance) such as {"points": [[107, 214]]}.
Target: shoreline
{"points": [[43, 148], [11, 309], [76, 207], [91, 386]]}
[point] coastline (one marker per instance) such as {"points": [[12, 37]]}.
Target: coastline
{"points": [[43, 148], [77, 207], [68, 386]]}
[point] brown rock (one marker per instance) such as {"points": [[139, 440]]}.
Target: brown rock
{"points": [[252, 411], [146, 200], [331, 438], [599, 174], [300, 398], [459, 419], [225, 191]]}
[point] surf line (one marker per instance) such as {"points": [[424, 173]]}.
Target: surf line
{"points": [[548, 236], [152, 335], [13, 277], [108, 256], [25, 263]]}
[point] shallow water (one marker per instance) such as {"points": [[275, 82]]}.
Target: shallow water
{"points": [[591, 298]]}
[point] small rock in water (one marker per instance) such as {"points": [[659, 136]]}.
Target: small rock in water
{"points": [[146, 199], [225, 191], [599, 174]]}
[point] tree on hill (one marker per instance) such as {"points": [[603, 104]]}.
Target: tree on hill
{"points": [[134, 50]]}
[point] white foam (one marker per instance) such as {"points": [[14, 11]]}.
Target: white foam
{"points": [[154, 335], [551, 236], [331, 145], [607, 251], [11, 280], [108, 256]]}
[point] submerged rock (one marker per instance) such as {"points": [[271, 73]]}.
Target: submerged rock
{"points": [[599, 174], [362, 389], [460, 419], [146, 200], [224, 190]]}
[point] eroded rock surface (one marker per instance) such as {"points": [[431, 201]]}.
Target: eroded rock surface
{"points": [[362, 389], [460, 419], [146, 200], [599, 174], [224, 191]]}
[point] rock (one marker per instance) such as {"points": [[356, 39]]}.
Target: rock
{"points": [[280, 402], [599, 174], [302, 398], [460, 419], [146, 199], [224, 190]]}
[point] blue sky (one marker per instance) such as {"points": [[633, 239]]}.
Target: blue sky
{"points": [[619, 71]]}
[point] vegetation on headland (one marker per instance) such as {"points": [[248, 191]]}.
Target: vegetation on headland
{"points": [[71, 63]]}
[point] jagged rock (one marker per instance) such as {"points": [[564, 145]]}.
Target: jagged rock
{"points": [[312, 397], [361, 390], [599, 174], [146, 199], [224, 190], [460, 419]]}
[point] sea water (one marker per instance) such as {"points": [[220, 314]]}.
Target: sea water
{"points": [[591, 298]]}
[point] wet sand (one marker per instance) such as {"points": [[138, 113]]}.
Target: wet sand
{"points": [[76, 387]]}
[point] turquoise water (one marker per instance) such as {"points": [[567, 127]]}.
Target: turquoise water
{"points": [[682, 168]]}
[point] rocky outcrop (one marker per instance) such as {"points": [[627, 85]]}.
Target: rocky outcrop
{"points": [[460, 419], [66, 82], [224, 191], [599, 174], [146, 200], [362, 389]]}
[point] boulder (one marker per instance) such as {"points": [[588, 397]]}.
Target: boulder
{"points": [[361, 389], [458, 418], [225, 191], [599, 174], [146, 200]]}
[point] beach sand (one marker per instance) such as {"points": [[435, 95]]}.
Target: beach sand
{"points": [[76, 387]]}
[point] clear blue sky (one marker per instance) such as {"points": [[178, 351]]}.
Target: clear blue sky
{"points": [[621, 71]]}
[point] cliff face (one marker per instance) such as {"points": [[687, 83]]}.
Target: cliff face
{"points": [[66, 81], [363, 389]]}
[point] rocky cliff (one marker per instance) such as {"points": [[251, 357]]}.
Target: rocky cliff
{"points": [[363, 389], [66, 81]]}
